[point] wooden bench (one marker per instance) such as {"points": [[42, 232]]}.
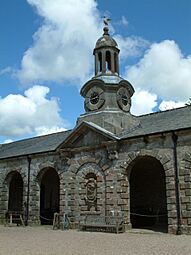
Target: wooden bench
{"points": [[12, 217], [94, 222]]}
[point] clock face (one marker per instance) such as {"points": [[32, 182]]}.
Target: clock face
{"points": [[94, 99], [123, 99]]}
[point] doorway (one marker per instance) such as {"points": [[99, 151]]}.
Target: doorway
{"points": [[148, 207], [49, 196], [15, 201]]}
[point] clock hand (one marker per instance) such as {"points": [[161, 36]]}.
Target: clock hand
{"points": [[95, 97]]}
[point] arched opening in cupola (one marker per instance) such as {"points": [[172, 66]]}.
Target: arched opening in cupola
{"points": [[99, 62], [108, 61]]}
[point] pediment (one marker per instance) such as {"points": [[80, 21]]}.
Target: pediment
{"points": [[86, 135]]}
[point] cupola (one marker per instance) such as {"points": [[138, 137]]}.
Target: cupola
{"points": [[108, 96], [106, 54]]}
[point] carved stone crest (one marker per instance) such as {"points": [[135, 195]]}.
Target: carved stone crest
{"points": [[91, 194]]}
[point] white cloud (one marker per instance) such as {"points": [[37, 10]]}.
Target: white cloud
{"points": [[124, 21], [29, 113], [167, 105], [132, 46], [63, 45], [164, 71], [43, 130], [143, 102], [8, 141], [5, 70], [62, 51]]}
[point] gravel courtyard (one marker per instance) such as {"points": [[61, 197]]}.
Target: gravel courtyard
{"points": [[45, 241]]}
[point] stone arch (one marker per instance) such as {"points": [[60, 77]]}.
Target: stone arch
{"points": [[14, 187], [164, 159], [148, 203], [48, 181]]}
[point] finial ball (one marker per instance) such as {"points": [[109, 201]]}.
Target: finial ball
{"points": [[106, 31]]}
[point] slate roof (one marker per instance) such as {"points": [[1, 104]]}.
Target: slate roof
{"points": [[170, 120], [38, 144], [153, 123]]}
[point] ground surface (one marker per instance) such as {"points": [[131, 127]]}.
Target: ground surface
{"points": [[45, 241]]}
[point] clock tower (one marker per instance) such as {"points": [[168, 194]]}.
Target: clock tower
{"points": [[107, 96]]}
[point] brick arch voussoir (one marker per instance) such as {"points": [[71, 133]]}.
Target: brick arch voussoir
{"points": [[185, 165], [10, 172], [90, 167], [164, 159], [37, 175], [78, 163]]}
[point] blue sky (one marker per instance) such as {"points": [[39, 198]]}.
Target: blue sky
{"points": [[46, 56]]}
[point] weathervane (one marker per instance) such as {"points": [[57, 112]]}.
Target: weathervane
{"points": [[106, 20]]}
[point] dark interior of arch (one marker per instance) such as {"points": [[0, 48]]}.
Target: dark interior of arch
{"points": [[15, 203], [148, 206], [108, 61], [49, 196], [115, 62], [100, 62]]}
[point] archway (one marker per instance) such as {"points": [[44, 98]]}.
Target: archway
{"points": [[49, 195], [15, 201], [148, 207]]}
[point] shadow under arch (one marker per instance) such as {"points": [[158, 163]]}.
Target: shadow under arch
{"points": [[148, 203], [14, 183], [49, 183]]}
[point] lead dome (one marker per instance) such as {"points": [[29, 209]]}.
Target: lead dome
{"points": [[106, 40]]}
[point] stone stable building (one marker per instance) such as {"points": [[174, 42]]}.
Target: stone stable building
{"points": [[111, 163]]}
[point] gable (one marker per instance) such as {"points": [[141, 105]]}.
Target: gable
{"points": [[89, 138], [86, 139], [87, 135]]}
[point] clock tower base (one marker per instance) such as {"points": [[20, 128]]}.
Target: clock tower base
{"points": [[115, 122]]}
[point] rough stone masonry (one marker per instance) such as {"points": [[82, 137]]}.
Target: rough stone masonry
{"points": [[111, 163]]}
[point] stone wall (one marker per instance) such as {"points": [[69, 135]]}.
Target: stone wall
{"points": [[7, 169], [109, 168]]}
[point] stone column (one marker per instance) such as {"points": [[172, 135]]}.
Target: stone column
{"points": [[112, 62], [116, 62], [96, 63]]}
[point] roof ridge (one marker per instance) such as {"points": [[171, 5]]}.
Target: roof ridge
{"points": [[159, 112]]}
